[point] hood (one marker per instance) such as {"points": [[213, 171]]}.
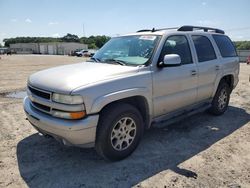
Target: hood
{"points": [[64, 79]]}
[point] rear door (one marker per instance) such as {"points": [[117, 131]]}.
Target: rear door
{"points": [[228, 56], [208, 65]]}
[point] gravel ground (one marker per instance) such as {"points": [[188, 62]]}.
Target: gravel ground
{"points": [[201, 151]]}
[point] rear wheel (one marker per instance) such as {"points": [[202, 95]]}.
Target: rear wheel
{"points": [[221, 99], [119, 131]]}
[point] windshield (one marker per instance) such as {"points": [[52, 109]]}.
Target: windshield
{"points": [[127, 50]]}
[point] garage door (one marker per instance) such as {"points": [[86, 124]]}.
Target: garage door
{"points": [[51, 49], [42, 49]]}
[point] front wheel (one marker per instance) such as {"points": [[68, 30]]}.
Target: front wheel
{"points": [[221, 99], [119, 131]]}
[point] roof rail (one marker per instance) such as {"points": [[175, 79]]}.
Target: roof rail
{"points": [[154, 30], [145, 30], [205, 29]]}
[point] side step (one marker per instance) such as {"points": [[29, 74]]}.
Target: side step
{"points": [[163, 122]]}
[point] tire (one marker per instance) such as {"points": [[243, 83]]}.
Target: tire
{"points": [[119, 131], [221, 99]]}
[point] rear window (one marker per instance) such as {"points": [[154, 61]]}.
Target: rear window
{"points": [[225, 46], [204, 48]]}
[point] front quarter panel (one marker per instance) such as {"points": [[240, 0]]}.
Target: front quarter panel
{"points": [[98, 95], [102, 101]]}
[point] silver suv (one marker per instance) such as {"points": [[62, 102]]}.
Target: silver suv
{"points": [[132, 82]]}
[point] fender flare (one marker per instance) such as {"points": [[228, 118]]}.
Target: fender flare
{"points": [[106, 99], [219, 80]]}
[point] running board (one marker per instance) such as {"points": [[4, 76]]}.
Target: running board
{"points": [[164, 121]]}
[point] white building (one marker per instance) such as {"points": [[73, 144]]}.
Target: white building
{"points": [[57, 48]]}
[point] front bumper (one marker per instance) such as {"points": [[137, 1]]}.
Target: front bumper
{"points": [[80, 133]]}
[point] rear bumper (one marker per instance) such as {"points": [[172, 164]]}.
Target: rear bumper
{"points": [[80, 133]]}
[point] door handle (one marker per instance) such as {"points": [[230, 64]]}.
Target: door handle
{"points": [[193, 72], [217, 67]]}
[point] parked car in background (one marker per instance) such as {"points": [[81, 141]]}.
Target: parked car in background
{"points": [[82, 53], [92, 52], [3, 50], [10, 52], [248, 60], [73, 53]]}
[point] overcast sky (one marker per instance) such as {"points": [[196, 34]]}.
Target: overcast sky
{"points": [[105, 17]]}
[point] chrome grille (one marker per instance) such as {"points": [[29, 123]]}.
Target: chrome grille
{"points": [[39, 93], [42, 107], [38, 97], [42, 100]]}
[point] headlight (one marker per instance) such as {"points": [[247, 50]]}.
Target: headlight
{"points": [[68, 115], [67, 99]]}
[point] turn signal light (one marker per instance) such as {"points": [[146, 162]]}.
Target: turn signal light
{"points": [[77, 115]]}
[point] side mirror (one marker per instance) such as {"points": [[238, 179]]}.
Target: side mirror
{"points": [[170, 60]]}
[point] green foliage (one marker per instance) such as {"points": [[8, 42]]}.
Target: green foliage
{"points": [[101, 40], [9, 41], [70, 38], [242, 45], [92, 46], [93, 42]]}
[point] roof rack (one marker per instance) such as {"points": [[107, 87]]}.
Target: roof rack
{"points": [[186, 28], [205, 29], [154, 30], [145, 30]]}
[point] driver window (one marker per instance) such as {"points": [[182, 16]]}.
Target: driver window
{"points": [[177, 45]]}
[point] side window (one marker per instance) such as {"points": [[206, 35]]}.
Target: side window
{"points": [[177, 44], [225, 46], [204, 48]]}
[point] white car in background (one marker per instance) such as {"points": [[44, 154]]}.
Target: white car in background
{"points": [[82, 53]]}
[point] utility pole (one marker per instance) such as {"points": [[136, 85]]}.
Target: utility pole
{"points": [[83, 30]]}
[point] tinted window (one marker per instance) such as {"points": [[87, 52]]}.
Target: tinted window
{"points": [[177, 45], [225, 46], [204, 48]]}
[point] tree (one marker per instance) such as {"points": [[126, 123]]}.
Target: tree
{"points": [[93, 41], [92, 46], [84, 40], [70, 38], [101, 40], [9, 41], [242, 45]]}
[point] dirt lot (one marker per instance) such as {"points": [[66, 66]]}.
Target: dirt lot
{"points": [[202, 151]]}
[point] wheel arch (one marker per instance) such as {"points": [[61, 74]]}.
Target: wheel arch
{"points": [[138, 101], [229, 79]]}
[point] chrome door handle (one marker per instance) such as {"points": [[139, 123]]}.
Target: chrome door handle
{"points": [[193, 72], [217, 67]]}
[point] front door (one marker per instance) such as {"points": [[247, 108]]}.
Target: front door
{"points": [[175, 87]]}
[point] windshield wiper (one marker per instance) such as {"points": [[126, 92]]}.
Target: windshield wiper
{"points": [[120, 62], [95, 59]]}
